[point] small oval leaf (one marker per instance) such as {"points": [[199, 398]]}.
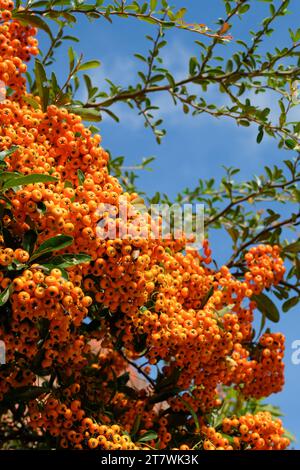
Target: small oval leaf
{"points": [[4, 296], [290, 303], [92, 64], [267, 307]]}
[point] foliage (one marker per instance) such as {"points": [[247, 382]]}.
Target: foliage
{"points": [[196, 399]]}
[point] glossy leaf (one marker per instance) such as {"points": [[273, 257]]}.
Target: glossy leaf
{"points": [[148, 436], [92, 64], [4, 296], [266, 306], [29, 241], [41, 83], [56, 243]]}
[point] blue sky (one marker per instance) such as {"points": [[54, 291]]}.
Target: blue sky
{"points": [[194, 147]]}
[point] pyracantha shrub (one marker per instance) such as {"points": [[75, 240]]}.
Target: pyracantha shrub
{"points": [[78, 308]]}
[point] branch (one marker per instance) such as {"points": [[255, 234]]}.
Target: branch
{"points": [[53, 44], [234, 76], [290, 286], [68, 80], [215, 42], [138, 368], [245, 245], [267, 125], [152, 56], [258, 36], [200, 29], [250, 196]]}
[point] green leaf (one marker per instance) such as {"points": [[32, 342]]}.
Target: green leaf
{"points": [[180, 13], [88, 82], [207, 297], [68, 260], [274, 410], [71, 38], [28, 179], [290, 303], [267, 307], [92, 64], [29, 241], [262, 324], [80, 176], [56, 243], [192, 411], [41, 83], [70, 18], [71, 55], [229, 66], [30, 100], [291, 144], [193, 65], [4, 296], [6, 175], [140, 57], [136, 425], [234, 234], [68, 184], [244, 123], [112, 115], [260, 136], [170, 79], [157, 78], [292, 248], [243, 9], [153, 4], [7, 153], [148, 436], [54, 84], [147, 19], [84, 7], [87, 114], [186, 108]]}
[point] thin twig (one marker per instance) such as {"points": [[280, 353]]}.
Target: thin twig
{"points": [[245, 245], [132, 95], [250, 196], [138, 368], [291, 286]]}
